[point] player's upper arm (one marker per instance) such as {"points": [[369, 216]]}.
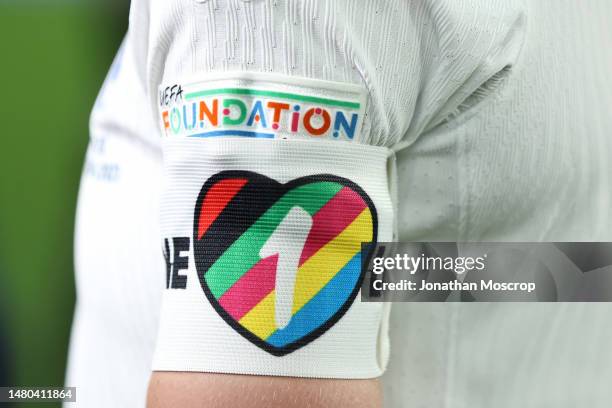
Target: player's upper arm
{"points": [[277, 122]]}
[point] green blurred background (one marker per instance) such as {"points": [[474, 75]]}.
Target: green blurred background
{"points": [[53, 58]]}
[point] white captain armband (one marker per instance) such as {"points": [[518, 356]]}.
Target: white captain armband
{"points": [[268, 197]]}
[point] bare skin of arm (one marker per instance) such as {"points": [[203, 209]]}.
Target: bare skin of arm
{"points": [[191, 390]]}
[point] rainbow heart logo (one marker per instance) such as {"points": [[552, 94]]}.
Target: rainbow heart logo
{"points": [[281, 263]]}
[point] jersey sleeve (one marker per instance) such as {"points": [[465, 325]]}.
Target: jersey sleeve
{"points": [[278, 123]]}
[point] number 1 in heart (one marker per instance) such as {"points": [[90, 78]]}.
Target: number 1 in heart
{"points": [[287, 241]]}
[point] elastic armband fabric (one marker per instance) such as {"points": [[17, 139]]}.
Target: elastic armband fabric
{"points": [[263, 236]]}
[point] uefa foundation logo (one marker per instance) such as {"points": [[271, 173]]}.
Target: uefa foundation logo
{"points": [[281, 263], [263, 106]]}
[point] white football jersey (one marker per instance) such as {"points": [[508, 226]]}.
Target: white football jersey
{"points": [[497, 113]]}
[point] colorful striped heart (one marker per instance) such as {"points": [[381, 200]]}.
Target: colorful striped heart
{"points": [[281, 263]]}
